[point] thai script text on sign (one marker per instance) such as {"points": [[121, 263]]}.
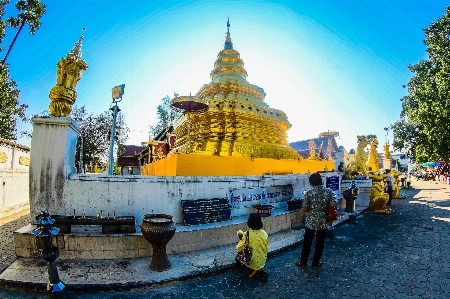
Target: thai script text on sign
{"points": [[332, 182], [246, 197]]}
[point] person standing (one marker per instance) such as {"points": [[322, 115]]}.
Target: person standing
{"points": [[390, 185], [258, 242], [315, 203]]}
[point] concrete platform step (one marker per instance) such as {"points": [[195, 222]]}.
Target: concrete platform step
{"points": [[125, 274]]}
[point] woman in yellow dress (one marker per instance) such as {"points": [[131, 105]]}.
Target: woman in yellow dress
{"points": [[258, 242]]}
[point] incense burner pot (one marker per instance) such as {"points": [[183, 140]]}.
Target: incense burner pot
{"points": [[158, 230]]}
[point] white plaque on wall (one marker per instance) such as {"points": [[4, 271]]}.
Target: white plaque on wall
{"points": [[246, 197]]}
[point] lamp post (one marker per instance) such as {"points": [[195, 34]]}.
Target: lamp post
{"points": [[117, 93], [47, 244], [386, 129]]}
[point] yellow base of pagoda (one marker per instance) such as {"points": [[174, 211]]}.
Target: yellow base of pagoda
{"points": [[201, 165]]}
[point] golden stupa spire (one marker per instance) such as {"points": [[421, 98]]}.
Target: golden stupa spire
{"points": [[228, 63], [228, 44]]}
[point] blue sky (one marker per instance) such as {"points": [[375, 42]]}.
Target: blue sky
{"points": [[330, 65]]}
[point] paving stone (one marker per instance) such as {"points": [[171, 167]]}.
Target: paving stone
{"points": [[404, 255]]}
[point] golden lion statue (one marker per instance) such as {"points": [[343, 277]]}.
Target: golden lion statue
{"points": [[373, 155], [358, 167], [378, 199], [396, 191]]}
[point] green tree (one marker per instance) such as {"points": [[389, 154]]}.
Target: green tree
{"points": [[9, 105], [423, 129], [10, 109], [30, 12], [165, 114], [96, 133]]}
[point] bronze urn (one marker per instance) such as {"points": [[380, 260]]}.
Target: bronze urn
{"points": [[158, 230]]}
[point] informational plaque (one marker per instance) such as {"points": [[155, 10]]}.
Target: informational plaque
{"points": [[332, 182], [247, 197], [201, 211]]}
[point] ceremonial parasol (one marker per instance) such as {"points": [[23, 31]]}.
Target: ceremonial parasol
{"points": [[188, 104]]}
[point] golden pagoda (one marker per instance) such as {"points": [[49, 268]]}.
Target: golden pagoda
{"points": [[227, 129], [238, 122]]}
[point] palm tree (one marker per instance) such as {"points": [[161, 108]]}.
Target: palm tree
{"points": [[30, 13]]}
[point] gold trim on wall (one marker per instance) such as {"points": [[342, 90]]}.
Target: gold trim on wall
{"points": [[24, 161], [3, 157]]}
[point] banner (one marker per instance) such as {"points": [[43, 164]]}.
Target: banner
{"points": [[246, 197]]}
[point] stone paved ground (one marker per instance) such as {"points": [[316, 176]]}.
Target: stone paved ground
{"points": [[7, 255], [405, 255]]}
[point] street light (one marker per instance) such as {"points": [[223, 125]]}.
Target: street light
{"points": [[47, 244], [386, 129], [117, 93]]}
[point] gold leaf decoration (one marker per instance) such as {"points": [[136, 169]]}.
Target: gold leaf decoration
{"points": [[3, 157], [24, 161]]}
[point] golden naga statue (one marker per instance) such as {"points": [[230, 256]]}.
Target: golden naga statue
{"points": [[378, 199], [396, 192], [387, 154], [312, 152], [358, 167], [373, 155], [63, 95], [237, 122]]}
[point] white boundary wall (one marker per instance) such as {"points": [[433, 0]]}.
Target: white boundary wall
{"points": [[14, 173], [55, 186]]}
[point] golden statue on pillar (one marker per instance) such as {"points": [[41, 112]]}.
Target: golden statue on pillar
{"points": [[387, 154], [63, 95], [358, 167], [312, 151], [373, 155]]}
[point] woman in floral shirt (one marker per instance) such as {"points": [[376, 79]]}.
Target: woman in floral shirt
{"points": [[315, 203]]}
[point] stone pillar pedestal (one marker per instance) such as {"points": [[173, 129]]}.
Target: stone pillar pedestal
{"points": [[387, 163], [339, 159], [52, 161], [365, 187]]}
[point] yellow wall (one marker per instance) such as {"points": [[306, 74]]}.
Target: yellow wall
{"points": [[201, 165]]}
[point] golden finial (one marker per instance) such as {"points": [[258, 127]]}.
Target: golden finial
{"points": [[228, 43], [77, 46], [63, 95]]}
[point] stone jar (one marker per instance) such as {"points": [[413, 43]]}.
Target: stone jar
{"points": [[158, 230]]}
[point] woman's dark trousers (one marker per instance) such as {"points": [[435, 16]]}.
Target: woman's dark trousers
{"points": [[390, 191], [307, 243]]}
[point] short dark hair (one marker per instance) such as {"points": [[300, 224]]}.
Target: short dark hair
{"points": [[254, 221], [315, 179]]}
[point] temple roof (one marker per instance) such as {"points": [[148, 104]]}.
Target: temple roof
{"points": [[302, 147], [130, 150]]}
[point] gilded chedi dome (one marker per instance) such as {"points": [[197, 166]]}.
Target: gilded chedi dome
{"points": [[238, 122]]}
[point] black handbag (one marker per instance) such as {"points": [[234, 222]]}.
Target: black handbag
{"points": [[244, 256]]}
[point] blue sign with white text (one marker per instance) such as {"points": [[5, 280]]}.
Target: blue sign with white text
{"points": [[332, 182]]}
